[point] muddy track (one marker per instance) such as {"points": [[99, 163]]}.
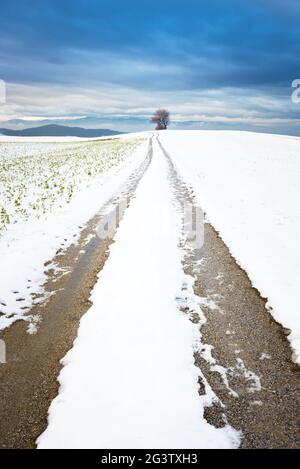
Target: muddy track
{"points": [[28, 381], [246, 357]]}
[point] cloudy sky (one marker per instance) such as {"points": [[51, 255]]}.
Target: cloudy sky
{"points": [[213, 63]]}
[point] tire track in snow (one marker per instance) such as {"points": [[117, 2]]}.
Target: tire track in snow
{"points": [[28, 381], [245, 357]]}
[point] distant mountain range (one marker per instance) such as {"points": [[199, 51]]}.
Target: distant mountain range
{"points": [[54, 130]]}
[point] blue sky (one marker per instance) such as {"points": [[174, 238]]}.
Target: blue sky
{"points": [[214, 64]]}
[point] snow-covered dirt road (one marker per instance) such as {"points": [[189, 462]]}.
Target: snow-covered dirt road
{"points": [[176, 349], [130, 380]]}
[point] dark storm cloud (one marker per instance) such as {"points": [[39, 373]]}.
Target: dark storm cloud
{"points": [[208, 43]]}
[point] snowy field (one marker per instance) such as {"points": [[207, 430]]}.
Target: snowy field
{"points": [[249, 186], [130, 380], [47, 192]]}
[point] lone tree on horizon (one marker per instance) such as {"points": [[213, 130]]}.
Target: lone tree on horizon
{"points": [[161, 118]]}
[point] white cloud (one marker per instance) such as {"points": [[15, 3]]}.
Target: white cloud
{"points": [[59, 102]]}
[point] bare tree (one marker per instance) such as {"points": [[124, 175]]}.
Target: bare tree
{"points": [[161, 118]]}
